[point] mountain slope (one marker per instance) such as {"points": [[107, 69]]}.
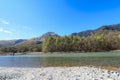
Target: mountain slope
{"points": [[102, 29], [48, 34], [84, 33], [6, 43], [39, 40]]}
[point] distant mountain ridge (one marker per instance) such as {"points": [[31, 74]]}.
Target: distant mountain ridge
{"points": [[6, 43], [39, 40], [48, 34], [115, 27], [84, 33]]}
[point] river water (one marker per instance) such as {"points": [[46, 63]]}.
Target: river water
{"points": [[63, 59]]}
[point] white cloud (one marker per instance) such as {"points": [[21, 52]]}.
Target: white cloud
{"points": [[5, 31], [4, 21]]}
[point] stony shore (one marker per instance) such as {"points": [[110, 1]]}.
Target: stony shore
{"points": [[58, 73]]}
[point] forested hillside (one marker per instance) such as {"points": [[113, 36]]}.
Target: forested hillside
{"points": [[94, 43], [105, 38]]}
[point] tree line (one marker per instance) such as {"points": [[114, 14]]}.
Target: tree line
{"points": [[94, 43], [22, 48]]}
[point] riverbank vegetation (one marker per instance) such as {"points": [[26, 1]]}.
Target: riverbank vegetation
{"points": [[105, 41], [22, 48], [94, 43]]}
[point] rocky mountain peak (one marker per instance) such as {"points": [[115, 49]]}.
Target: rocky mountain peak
{"points": [[48, 34]]}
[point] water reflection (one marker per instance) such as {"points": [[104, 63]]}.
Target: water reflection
{"points": [[82, 61], [45, 60]]}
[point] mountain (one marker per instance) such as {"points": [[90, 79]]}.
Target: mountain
{"points": [[6, 43], [39, 40], [48, 34], [84, 33], [102, 29], [115, 27]]}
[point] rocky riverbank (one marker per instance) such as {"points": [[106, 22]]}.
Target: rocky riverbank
{"points": [[58, 73]]}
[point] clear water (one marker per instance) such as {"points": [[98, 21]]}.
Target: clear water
{"points": [[63, 59]]}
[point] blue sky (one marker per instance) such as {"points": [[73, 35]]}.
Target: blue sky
{"points": [[31, 18]]}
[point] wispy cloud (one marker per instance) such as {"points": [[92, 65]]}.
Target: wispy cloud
{"points": [[5, 31], [4, 21]]}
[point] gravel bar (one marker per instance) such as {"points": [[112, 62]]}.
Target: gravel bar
{"points": [[58, 73]]}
